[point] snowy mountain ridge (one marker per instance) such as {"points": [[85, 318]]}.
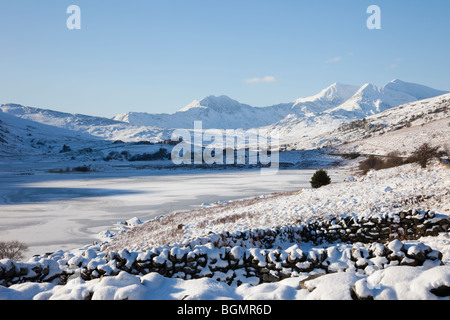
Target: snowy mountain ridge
{"points": [[55, 118], [423, 120], [77, 124], [338, 100], [219, 112], [332, 96], [304, 123], [369, 99]]}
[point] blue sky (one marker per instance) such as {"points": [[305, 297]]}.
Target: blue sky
{"points": [[158, 56]]}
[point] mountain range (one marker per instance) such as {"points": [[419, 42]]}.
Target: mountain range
{"points": [[304, 122], [339, 101]]}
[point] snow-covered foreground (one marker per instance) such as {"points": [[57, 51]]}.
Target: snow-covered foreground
{"points": [[377, 193], [382, 192], [401, 282]]}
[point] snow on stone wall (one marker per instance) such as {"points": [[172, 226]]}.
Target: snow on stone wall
{"points": [[358, 245]]}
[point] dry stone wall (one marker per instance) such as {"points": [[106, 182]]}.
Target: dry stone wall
{"points": [[407, 225], [340, 244]]}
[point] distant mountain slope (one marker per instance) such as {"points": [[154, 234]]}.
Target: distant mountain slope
{"points": [[55, 118], [416, 90], [370, 100], [83, 124], [399, 128], [225, 113], [311, 130], [22, 136]]}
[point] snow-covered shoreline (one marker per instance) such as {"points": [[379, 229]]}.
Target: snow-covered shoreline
{"points": [[67, 211], [380, 192]]}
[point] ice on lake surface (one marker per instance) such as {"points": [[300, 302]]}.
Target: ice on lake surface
{"points": [[51, 212]]}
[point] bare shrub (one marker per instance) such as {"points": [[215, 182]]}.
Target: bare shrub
{"points": [[351, 156], [13, 250], [393, 160], [424, 154], [371, 162]]}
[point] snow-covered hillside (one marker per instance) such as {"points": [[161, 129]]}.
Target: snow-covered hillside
{"points": [[401, 128], [20, 136], [378, 193], [55, 118], [344, 271], [60, 123], [369, 102], [404, 141]]}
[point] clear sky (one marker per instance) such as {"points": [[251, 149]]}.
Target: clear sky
{"points": [[158, 56]]}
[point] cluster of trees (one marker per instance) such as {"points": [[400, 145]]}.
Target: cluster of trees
{"points": [[161, 154], [423, 155]]}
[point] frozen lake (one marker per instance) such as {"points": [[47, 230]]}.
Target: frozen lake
{"points": [[50, 212]]}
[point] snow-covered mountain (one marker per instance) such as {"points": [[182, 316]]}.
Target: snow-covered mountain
{"points": [[416, 90], [330, 97], [399, 128], [71, 121], [89, 126], [310, 130], [304, 122], [19, 136], [337, 102], [369, 99], [215, 113]]}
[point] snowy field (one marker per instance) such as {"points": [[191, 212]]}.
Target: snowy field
{"points": [[380, 192], [50, 212], [377, 193], [405, 140]]}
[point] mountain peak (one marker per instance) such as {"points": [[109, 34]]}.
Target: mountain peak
{"points": [[368, 87], [221, 103], [338, 101], [330, 97], [415, 90], [396, 81], [215, 100]]}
